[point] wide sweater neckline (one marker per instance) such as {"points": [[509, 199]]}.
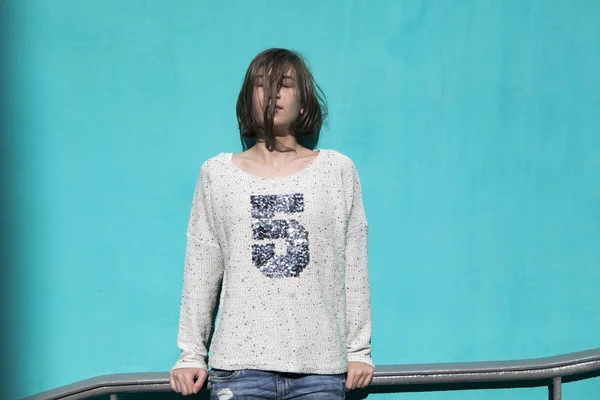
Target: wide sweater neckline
{"points": [[313, 164]]}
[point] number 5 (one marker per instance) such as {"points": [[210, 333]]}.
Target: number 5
{"points": [[264, 208]]}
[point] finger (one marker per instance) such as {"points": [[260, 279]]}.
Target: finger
{"points": [[352, 377], [349, 378], [197, 385], [172, 383], [360, 378], [364, 379], [178, 385], [201, 377], [357, 378], [369, 378], [189, 382], [182, 384]]}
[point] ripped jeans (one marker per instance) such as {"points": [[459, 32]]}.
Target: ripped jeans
{"points": [[254, 385]]}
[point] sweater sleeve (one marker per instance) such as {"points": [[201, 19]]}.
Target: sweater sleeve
{"points": [[358, 306], [203, 272]]}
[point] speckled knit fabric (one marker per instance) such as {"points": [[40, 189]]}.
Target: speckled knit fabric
{"points": [[290, 254]]}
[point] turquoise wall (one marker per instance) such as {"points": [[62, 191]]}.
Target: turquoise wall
{"points": [[475, 126]]}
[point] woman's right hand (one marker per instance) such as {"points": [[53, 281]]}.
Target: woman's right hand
{"points": [[187, 380]]}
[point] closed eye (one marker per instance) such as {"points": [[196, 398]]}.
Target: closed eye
{"points": [[287, 82]]}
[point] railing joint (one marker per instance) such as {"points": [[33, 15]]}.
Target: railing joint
{"points": [[555, 389]]}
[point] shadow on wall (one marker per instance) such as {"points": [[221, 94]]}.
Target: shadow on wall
{"points": [[7, 203], [363, 394], [387, 389], [204, 395]]}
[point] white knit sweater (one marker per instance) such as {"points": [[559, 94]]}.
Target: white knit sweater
{"points": [[289, 257]]}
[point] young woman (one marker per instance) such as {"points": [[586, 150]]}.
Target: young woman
{"points": [[279, 231]]}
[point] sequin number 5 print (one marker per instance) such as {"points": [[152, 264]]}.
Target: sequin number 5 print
{"points": [[266, 227]]}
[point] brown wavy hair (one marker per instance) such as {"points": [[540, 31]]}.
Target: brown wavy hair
{"points": [[277, 62]]}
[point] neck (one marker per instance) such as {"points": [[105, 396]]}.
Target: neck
{"points": [[260, 150]]}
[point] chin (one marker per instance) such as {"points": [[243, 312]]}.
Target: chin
{"points": [[280, 123]]}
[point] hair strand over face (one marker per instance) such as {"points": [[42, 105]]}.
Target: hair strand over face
{"points": [[272, 65]]}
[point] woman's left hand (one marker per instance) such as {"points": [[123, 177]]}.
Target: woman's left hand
{"points": [[359, 375]]}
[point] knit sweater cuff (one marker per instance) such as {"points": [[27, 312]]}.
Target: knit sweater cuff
{"points": [[361, 358], [190, 364]]}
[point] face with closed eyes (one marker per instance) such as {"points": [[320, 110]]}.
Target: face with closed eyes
{"points": [[288, 107]]}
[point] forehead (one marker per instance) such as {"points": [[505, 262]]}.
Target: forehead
{"points": [[289, 72]]}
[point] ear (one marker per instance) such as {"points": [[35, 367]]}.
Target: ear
{"points": [[301, 111]]}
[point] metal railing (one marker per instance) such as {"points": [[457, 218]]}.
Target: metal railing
{"points": [[538, 372]]}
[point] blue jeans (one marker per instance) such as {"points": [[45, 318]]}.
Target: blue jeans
{"points": [[250, 384]]}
